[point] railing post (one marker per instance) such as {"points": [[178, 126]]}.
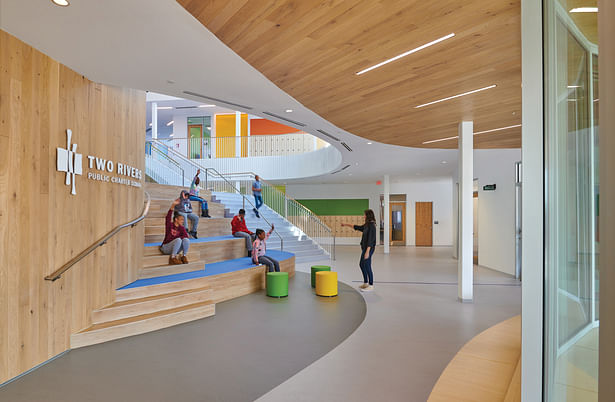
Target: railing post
{"points": [[206, 174], [333, 247], [285, 207]]}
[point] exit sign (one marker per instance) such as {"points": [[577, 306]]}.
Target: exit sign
{"points": [[489, 187]]}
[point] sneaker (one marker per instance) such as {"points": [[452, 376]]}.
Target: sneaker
{"points": [[368, 288], [174, 261], [193, 234], [363, 286], [184, 259]]}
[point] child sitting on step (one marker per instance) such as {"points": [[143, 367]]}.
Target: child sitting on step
{"points": [[176, 238], [259, 248]]}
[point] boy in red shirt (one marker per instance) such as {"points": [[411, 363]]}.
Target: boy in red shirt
{"points": [[239, 229]]}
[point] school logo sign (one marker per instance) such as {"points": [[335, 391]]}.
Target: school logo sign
{"points": [[70, 161]]}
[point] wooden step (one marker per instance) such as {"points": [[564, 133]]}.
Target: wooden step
{"points": [[208, 252], [162, 270], [155, 258], [141, 324], [150, 304], [204, 225], [215, 209]]}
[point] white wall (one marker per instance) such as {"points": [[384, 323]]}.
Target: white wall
{"points": [[496, 209], [435, 190]]}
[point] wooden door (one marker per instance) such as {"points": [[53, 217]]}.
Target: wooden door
{"points": [[424, 220]]}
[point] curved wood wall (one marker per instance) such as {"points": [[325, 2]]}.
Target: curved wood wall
{"points": [[42, 225]]}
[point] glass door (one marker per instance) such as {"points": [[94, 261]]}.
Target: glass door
{"points": [[571, 196]]}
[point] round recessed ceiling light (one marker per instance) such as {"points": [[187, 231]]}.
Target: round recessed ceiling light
{"points": [[289, 110], [61, 3], [369, 143], [444, 162]]}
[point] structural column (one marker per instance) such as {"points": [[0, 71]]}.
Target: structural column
{"points": [[387, 216], [154, 121], [238, 134], [465, 263]]}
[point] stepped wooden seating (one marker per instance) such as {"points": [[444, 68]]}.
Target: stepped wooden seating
{"points": [[487, 368], [159, 302], [167, 295]]}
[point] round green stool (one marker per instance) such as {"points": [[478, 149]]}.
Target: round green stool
{"points": [[277, 284], [318, 268]]}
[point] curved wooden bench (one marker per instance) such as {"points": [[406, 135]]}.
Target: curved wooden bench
{"points": [[487, 368]]}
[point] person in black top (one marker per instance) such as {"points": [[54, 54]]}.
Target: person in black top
{"points": [[368, 245]]}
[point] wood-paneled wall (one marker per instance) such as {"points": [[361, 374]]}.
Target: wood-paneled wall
{"points": [[335, 223], [42, 225]]}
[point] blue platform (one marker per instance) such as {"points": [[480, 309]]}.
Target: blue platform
{"points": [[201, 240], [216, 268]]}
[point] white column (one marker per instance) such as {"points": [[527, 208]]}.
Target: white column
{"points": [[532, 203], [465, 263], [387, 217], [238, 134], [154, 121]]}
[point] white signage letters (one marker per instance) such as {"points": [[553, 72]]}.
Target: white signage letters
{"points": [[69, 161]]}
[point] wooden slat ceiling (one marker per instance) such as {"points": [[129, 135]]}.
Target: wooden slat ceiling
{"points": [[312, 50]]}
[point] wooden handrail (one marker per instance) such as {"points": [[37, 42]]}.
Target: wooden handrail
{"points": [[100, 242]]}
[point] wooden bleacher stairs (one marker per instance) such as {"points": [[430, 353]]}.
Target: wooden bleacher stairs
{"points": [[143, 309]]}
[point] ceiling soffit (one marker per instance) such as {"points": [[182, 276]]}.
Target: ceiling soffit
{"points": [[312, 50]]}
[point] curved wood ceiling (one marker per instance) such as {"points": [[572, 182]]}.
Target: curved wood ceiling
{"points": [[312, 50]]}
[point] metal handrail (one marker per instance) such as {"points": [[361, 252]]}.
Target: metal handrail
{"points": [[100, 242], [285, 195], [313, 217], [196, 165], [167, 158]]}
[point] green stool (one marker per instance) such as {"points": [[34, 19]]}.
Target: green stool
{"points": [[277, 284], [318, 268]]}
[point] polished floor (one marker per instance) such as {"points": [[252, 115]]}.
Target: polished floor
{"points": [[289, 349], [413, 328], [251, 345]]}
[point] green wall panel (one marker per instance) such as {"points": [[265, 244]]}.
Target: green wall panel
{"points": [[337, 207]]}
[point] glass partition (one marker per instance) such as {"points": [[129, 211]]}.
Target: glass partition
{"points": [[571, 197]]}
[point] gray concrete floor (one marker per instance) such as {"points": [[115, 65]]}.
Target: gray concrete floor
{"points": [[251, 345], [414, 327]]}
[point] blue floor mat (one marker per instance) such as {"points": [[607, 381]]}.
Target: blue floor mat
{"points": [[216, 268]]}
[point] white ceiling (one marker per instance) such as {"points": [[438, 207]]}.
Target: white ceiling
{"points": [[152, 45]]}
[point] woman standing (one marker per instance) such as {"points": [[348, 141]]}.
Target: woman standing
{"points": [[368, 245]]}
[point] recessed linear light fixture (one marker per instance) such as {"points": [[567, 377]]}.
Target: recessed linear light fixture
{"points": [[574, 86], [207, 105], [584, 10], [169, 123], [288, 110], [476, 133], [406, 53], [456, 96], [497, 129], [61, 3], [165, 107], [369, 143]]}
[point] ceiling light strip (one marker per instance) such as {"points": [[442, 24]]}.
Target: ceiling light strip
{"points": [[497, 129], [406, 53], [297, 123], [456, 96], [217, 100], [476, 133], [441, 139], [584, 10]]}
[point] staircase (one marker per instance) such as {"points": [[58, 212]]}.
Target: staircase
{"points": [[295, 242]]}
